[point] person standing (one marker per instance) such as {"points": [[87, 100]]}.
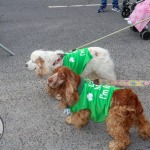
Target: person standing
{"points": [[104, 5]]}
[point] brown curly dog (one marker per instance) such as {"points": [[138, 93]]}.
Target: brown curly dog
{"points": [[124, 112]]}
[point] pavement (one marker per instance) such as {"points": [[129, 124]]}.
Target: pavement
{"points": [[33, 120]]}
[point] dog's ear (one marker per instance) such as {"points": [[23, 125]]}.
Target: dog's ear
{"points": [[40, 61]]}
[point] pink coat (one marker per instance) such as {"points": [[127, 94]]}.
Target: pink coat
{"points": [[141, 12]]}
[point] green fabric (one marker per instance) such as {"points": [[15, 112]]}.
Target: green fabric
{"points": [[80, 87], [77, 60], [96, 98]]}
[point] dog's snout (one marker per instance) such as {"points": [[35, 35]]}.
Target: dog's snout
{"points": [[26, 65], [50, 80]]}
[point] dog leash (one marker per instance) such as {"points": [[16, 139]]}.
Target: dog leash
{"points": [[138, 83], [110, 34]]}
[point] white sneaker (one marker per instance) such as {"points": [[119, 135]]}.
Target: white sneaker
{"points": [[117, 9]]}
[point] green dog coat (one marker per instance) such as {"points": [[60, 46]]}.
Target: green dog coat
{"points": [[96, 98], [77, 60]]}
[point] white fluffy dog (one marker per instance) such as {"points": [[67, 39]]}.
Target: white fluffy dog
{"points": [[100, 65]]}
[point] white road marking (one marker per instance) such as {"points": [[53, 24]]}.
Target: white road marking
{"points": [[75, 5]]}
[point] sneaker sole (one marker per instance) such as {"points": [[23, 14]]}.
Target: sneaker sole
{"points": [[116, 10]]}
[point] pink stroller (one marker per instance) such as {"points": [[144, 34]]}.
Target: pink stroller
{"points": [[140, 17]]}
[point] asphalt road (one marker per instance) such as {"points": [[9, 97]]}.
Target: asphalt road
{"points": [[32, 120]]}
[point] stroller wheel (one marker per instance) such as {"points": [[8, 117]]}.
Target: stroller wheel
{"points": [[133, 6], [133, 28], [125, 12], [145, 34]]}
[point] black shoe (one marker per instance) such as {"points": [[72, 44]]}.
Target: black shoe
{"points": [[101, 9]]}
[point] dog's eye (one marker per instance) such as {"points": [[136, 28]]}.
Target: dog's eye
{"points": [[62, 76]]}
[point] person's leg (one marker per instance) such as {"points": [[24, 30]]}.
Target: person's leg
{"points": [[115, 3], [104, 3], [102, 6], [115, 6]]}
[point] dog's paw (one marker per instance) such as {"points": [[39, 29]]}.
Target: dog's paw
{"points": [[68, 120], [58, 97], [113, 145], [119, 145]]}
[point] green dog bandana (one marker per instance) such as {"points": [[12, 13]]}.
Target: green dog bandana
{"points": [[96, 98], [77, 60]]}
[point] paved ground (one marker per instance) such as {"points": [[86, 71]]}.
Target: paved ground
{"points": [[32, 120]]}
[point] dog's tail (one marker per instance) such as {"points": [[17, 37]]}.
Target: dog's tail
{"points": [[141, 122]]}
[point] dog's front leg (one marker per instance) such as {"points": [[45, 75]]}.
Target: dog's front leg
{"points": [[79, 119]]}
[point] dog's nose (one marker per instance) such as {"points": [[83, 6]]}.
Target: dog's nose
{"points": [[26, 65], [50, 80]]}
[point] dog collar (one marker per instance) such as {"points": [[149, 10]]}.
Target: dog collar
{"points": [[58, 59], [81, 85]]}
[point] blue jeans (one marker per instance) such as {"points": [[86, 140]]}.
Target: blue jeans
{"points": [[114, 3]]}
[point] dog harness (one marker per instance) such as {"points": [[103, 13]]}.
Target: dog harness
{"points": [[77, 60], [96, 98]]}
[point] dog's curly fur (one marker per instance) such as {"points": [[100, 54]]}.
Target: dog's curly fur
{"points": [[125, 111], [100, 66]]}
